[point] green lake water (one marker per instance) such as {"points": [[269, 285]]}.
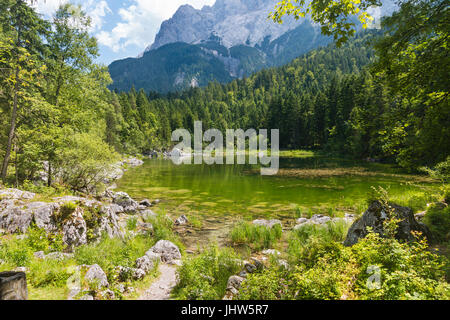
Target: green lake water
{"points": [[240, 190]]}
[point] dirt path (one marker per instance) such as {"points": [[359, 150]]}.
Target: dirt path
{"points": [[162, 287]]}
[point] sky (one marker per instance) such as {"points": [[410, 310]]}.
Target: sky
{"points": [[124, 28]]}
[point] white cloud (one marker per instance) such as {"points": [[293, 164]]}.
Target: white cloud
{"points": [[97, 10], [141, 20]]}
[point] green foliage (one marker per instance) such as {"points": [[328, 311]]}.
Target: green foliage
{"points": [[16, 252], [335, 17], [437, 219], [39, 240], [132, 223], [258, 237], [162, 229], [205, 276], [328, 270]]}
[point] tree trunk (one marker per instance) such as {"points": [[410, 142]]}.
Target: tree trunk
{"points": [[13, 286], [12, 129], [49, 174]]}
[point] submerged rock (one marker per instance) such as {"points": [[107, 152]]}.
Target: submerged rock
{"points": [[374, 218]]}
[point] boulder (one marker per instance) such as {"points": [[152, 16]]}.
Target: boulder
{"points": [[97, 277], [44, 215], [125, 201], [74, 229], [374, 218], [109, 222], [167, 250], [15, 220], [13, 286], [16, 194]]}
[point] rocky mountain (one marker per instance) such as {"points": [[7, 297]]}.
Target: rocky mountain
{"points": [[229, 40]]}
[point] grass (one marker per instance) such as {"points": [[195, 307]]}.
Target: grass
{"points": [[258, 237], [205, 276]]}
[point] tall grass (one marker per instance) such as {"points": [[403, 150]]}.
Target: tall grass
{"points": [[205, 276], [258, 237]]}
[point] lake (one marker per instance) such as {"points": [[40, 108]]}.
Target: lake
{"points": [[216, 196]]}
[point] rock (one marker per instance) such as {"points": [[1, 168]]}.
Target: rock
{"points": [[374, 218], [15, 220], [97, 277], [234, 282], [44, 215], [87, 297], [250, 268], [13, 286], [267, 223], [74, 229], [58, 256], [16, 194], [167, 250], [145, 263], [181, 220], [124, 200], [133, 162], [21, 269], [155, 202], [243, 274], [319, 219], [126, 273], [2, 261], [146, 203], [302, 221], [109, 222]]}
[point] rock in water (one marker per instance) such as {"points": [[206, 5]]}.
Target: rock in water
{"points": [[376, 215], [13, 286]]}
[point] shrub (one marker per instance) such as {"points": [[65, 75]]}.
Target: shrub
{"points": [[259, 237], [205, 276]]}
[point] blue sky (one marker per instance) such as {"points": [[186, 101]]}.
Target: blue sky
{"points": [[124, 28]]}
